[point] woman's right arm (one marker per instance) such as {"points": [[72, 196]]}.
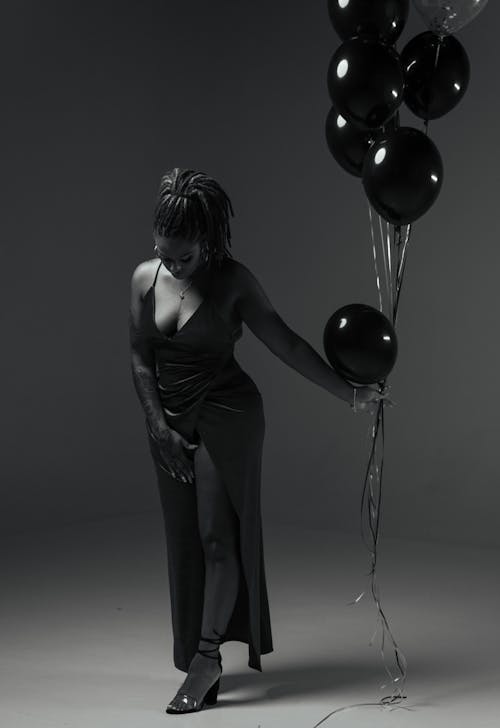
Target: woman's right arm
{"points": [[142, 357]]}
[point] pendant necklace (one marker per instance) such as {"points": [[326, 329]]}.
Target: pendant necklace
{"points": [[181, 294]]}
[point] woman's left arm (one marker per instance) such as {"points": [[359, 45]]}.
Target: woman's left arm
{"points": [[263, 320]]}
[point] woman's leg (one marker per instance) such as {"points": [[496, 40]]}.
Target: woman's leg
{"points": [[218, 528], [218, 524]]}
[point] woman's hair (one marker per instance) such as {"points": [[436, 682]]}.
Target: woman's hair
{"points": [[194, 206]]}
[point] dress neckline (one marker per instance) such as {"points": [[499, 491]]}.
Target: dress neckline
{"points": [[166, 336], [186, 323]]}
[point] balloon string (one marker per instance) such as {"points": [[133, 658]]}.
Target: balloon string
{"points": [[401, 269], [373, 475], [386, 279], [388, 241], [374, 520], [388, 263], [377, 276], [393, 287], [389, 258], [397, 246], [374, 478], [396, 240]]}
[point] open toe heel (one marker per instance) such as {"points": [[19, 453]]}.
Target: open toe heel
{"points": [[210, 697]]}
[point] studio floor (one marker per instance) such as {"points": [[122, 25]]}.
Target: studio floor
{"points": [[86, 641]]}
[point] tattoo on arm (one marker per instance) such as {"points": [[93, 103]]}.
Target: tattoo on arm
{"points": [[145, 383]]}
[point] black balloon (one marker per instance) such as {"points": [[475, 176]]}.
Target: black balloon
{"points": [[402, 175], [365, 82], [381, 19], [347, 143], [434, 88], [360, 343]]}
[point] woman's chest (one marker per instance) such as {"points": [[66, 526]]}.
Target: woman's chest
{"points": [[174, 308]]}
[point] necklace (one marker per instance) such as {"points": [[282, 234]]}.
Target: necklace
{"points": [[181, 294]]}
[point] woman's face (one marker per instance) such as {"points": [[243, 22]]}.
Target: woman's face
{"points": [[181, 257]]}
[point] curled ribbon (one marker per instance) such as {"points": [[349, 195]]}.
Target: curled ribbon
{"points": [[394, 253]]}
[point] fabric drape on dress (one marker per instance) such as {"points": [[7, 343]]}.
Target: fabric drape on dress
{"points": [[206, 395]]}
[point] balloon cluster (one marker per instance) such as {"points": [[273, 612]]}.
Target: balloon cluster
{"points": [[400, 166], [402, 173], [368, 80]]}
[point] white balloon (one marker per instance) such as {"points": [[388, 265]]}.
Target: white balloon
{"points": [[444, 17]]}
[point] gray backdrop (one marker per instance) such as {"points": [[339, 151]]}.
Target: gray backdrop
{"points": [[101, 99]]}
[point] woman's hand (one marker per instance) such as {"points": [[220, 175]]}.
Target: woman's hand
{"points": [[365, 396], [172, 448]]}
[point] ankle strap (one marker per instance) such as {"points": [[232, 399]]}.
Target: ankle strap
{"points": [[215, 641]]}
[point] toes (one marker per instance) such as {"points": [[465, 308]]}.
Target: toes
{"points": [[182, 702], [174, 704]]}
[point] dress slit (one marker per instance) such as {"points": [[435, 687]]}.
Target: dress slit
{"points": [[207, 397]]}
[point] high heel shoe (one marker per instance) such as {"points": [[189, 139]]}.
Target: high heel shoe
{"points": [[210, 697]]}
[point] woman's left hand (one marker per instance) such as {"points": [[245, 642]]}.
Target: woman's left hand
{"points": [[369, 395]]}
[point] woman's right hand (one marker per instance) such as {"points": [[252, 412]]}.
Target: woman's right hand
{"points": [[172, 448]]}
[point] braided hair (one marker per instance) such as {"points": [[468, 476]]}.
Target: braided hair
{"points": [[194, 206]]}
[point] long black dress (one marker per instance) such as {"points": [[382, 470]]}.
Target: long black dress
{"points": [[206, 395]]}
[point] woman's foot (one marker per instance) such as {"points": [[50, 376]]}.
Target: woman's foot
{"points": [[203, 673]]}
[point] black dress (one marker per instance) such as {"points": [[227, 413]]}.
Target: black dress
{"points": [[207, 396]]}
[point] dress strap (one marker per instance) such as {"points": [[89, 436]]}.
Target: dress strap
{"points": [[156, 276]]}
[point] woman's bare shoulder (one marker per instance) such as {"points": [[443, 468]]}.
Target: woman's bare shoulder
{"points": [[237, 270], [237, 276], [142, 276], [242, 278]]}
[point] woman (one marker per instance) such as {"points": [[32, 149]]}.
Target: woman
{"points": [[205, 424]]}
